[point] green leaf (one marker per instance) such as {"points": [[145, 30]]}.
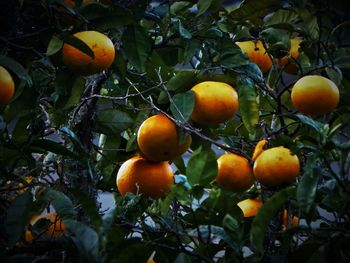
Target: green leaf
{"points": [[17, 216], [310, 23], [266, 213], [248, 106], [202, 167], [283, 16], [232, 56], [76, 92], [230, 223], [307, 186], [182, 258], [182, 105], [335, 75], [112, 121], [182, 31], [51, 146], [54, 46], [79, 44], [203, 6], [182, 80], [105, 18], [251, 9], [76, 142], [310, 122], [89, 206], [16, 68], [85, 239], [62, 204], [137, 46]]}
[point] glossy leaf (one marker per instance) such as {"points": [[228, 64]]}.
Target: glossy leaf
{"points": [[266, 213], [16, 68], [203, 6], [54, 46], [307, 186], [112, 121], [17, 216], [137, 46], [202, 167], [182, 105], [251, 9], [248, 106]]}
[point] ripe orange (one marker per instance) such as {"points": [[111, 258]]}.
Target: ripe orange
{"points": [[158, 139], [256, 53], [7, 86], [250, 207], [234, 172], [276, 166], [315, 95], [293, 223], [82, 63], [56, 227], [287, 62], [138, 175], [215, 102]]}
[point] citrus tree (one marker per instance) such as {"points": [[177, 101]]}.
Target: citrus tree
{"points": [[218, 128]]}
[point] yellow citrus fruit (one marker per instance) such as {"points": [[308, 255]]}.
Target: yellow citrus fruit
{"points": [[158, 139], [257, 54], [294, 222], [56, 227], [250, 207], [259, 149], [215, 102], [82, 63], [234, 172], [276, 166], [315, 95], [138, 175], [7, 86], [287, 62]]}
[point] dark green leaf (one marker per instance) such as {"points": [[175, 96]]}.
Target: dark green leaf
{"points": [[203, 6], [182, 105], [307, 186], [76, 92], [112, 121], [182, 80], [62, 204], [79, 44], [182, 258], [335, 75], [76, 142], [310, 122], [248, 106], [85, 239], [202, 167], [265, 214], [283, 16], [182, 31], [18, 216], [310, 23], [89, 206], [232, 57], [230, 223], [54, 46], [16, 68], [52, 146], [251, 9], [137, 46]]}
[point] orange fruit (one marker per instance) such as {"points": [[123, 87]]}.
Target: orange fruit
{"points": [[7, 86], [56, 227], [276, 166], [257, 54], [234, 172], [259, 149], [82, 63], [138, 175], [250, 207], [287, 62], [293, 223], [315, 95], [215, 102], [158, 139]]}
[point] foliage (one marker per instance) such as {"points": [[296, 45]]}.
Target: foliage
{"points": [[63, 137]]}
